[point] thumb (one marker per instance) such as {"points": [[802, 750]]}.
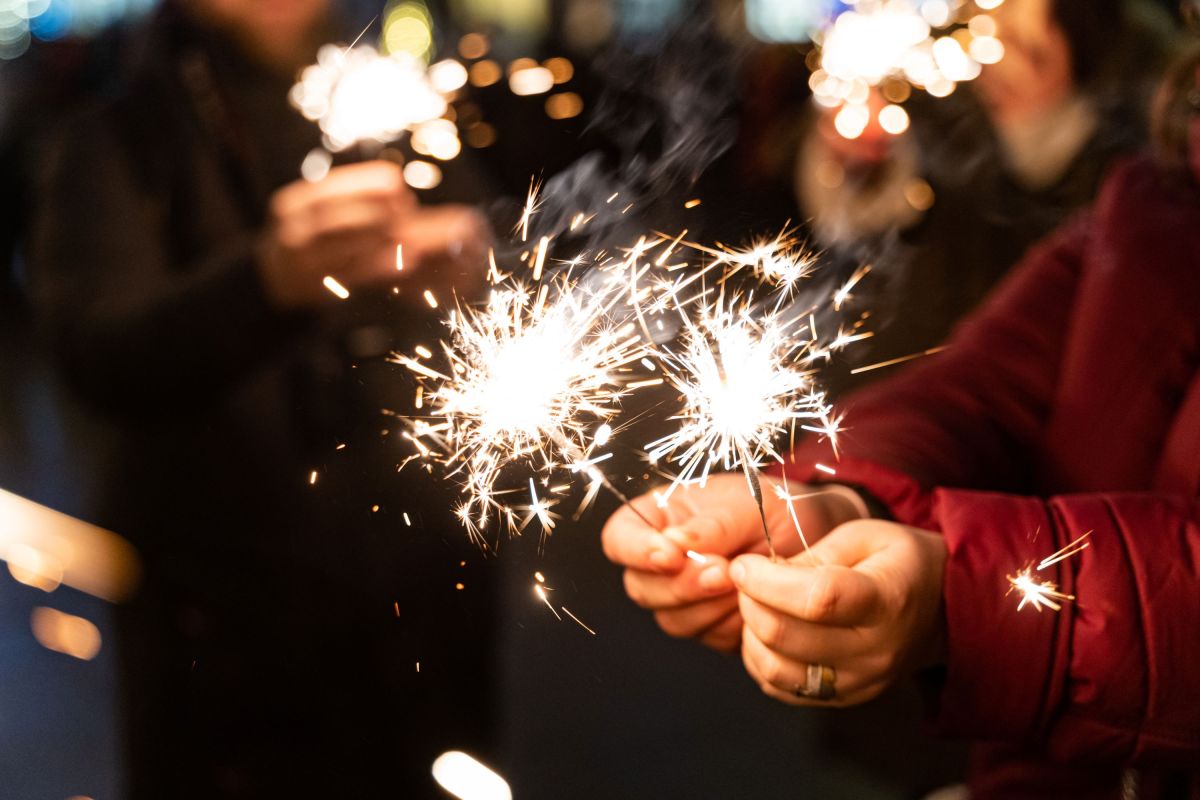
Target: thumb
{"points": [[844, 546]]}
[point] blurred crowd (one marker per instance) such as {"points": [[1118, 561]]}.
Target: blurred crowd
{"points": [[310, 621]]}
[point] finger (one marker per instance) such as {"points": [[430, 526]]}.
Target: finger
{"points": [[692, 621], [378, 181], [830, 595], [784, 679], [367, 178], [630, 542], [352, 214], [692, 583], [807, 642], [719, 518], [725, 636]]}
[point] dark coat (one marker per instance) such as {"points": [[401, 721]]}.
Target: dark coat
{"points": [[1069, 403], [274, 648]]}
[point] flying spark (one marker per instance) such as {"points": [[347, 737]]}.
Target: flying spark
{"points": [[1044, 593]]}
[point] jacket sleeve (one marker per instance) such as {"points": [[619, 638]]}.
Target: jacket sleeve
{"points": [[141, 322], [1107, 678], [972, 415]]}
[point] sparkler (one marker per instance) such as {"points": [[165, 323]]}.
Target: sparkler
{"points": [[746, 380], [357, 94], [1043, 593], [896, 45], [531, 378]]}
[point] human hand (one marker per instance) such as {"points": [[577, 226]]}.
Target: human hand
{"points": [[445, 248], [345, 225], [694, 597], [866, 600], [350, 224], [1035, 75]]}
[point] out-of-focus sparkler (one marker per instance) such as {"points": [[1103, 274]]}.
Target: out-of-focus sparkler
{"points": [[357, 95], [1041, 593], [894, 45]]}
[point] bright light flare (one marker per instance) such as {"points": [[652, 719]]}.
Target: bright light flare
{"points": [[529, 377], [469, 779], [744, 385], [1041, 593], [357, 94]]}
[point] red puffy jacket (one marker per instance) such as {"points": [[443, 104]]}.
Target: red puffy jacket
{"points": [[1069, 403]]}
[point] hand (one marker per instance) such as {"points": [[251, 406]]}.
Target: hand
{"points": [[349, 224], [719, 521], [445, 249], [1035, 75], [345, 225], [866, 600]]}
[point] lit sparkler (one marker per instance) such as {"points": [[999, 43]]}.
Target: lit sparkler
{"points": [[531, 378], [357, 95], [895, 45], [746, 380], [1043, 593]]}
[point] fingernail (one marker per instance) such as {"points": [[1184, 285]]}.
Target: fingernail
{"points": [[661, 557], [737, 572], [675, 535], [713, 578]]}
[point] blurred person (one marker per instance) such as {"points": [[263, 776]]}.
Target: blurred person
{"points": [[1068, 404], [944, 209], [178, 262]]}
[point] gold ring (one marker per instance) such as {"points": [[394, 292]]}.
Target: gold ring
{"points": [[819, 683]]}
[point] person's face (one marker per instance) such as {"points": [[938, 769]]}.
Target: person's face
{"points": [[264, 20]]}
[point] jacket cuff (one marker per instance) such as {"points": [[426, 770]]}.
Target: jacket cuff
{"points": [[1004, 667], [905, 500]]}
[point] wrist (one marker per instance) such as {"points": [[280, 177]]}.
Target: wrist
{"points": [[843, 504]]}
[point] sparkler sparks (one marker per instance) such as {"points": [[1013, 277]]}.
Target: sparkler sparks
{"points": [[898, 44], [529, 377], [357, 94], [1043, 593], [743, 385], [536, 376]]}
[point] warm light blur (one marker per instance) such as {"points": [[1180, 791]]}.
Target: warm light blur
{"points": [[448, 76], [562, 69], [473, 46], [65, 633], [564, 105], [893, 119], [485, 73], [480, 135], [851, 121], [43, 547], [32, 567], [534, 80], [408, 28], [422, 175], [987, 49], [467, 779], [437, 138]]}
